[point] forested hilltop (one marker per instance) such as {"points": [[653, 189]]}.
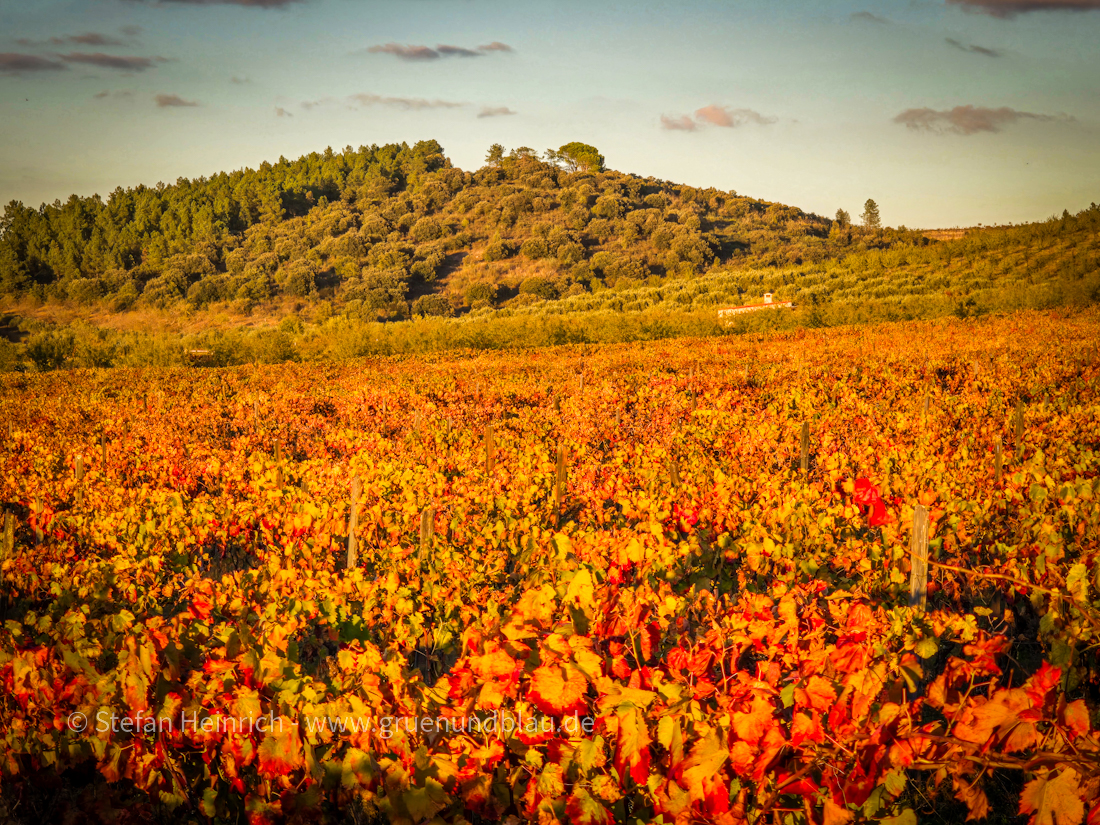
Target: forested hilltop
{"points": [[385, 232], [391, 250]]}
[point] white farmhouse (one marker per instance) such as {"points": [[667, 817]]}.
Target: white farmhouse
{"points": [[769, 303]]}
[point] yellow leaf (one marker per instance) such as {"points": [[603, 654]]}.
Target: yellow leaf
{"points": [[1053, 801], [581, 589], [835, 815]]}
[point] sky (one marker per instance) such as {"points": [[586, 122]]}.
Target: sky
{"points": [[945, 112]]}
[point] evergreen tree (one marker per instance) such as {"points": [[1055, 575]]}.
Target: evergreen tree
{"points": [[870, 216]]}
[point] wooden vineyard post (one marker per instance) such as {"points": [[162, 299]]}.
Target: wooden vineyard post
{"points": [[918, 558], [618, 420], [805, 463], [353, 524], [489, 452], [256, 412], [674, 471], [79, 473], [559, 481], [557, 404], [38, 511], [1019, 427], [279, 479], [924, 412], [103, 452], [7, 546], [427, 530], [998, 461], [9, 535]]}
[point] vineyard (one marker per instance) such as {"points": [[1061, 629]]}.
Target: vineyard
{"points": [[687, 563]]}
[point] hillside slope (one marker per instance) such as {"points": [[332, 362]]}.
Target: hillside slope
{"points": [[384, 232]]}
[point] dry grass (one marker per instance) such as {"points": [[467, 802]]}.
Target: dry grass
{"points": [[180, 319]]}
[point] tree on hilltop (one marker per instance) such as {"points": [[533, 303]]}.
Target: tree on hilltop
{"points": [[870, 216], [576, 157], [495, 156]]}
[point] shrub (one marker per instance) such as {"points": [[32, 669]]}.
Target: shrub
{"points": [[84, 290], [208, 290], [49, 350], [535, 248], [486, 292], [164, 290], [499, 249], [434, 305], [428, 268], [570, 253], [253, 290], [125, 297], [426, 229], [540, 287], [272, 346], [609, 206], [300, 280]]}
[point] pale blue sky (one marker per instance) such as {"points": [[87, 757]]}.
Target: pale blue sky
{"points": [[812, 91]]}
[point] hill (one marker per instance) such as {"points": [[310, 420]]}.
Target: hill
{"points": [[392, 249], [381, 230]]}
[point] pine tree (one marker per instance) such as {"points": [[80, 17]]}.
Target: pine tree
{"points": [[870, 216]]}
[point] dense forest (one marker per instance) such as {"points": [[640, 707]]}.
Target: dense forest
{"points": [[374, 229]]}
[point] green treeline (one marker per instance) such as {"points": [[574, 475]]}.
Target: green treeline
{"points": [[392, 250], [374, 229]]}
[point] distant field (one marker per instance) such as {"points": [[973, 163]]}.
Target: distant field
{"points": [[617, 541]]}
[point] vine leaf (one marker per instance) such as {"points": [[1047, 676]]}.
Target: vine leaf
{"points": [[558, 689], [1053, 801]]}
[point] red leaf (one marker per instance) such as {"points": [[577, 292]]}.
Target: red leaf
{"points": [[1044, 680], [558, 689], [1076, 718], [200, 608]]}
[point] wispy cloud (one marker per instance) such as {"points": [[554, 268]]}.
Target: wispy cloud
{"points": [[170, 101], [86, 39], [457, 51], [120, 95], [868, 17], [683, 123], [406, 52], [256, 4], [972, 48], [715, 115], [495, 111], [18, 63], [731, 118], [966, 120], [239, 81], [131, 31], [113, 61], [89, 39], [1011, 8], [365, 99], [426, 53], [281, 112]]}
